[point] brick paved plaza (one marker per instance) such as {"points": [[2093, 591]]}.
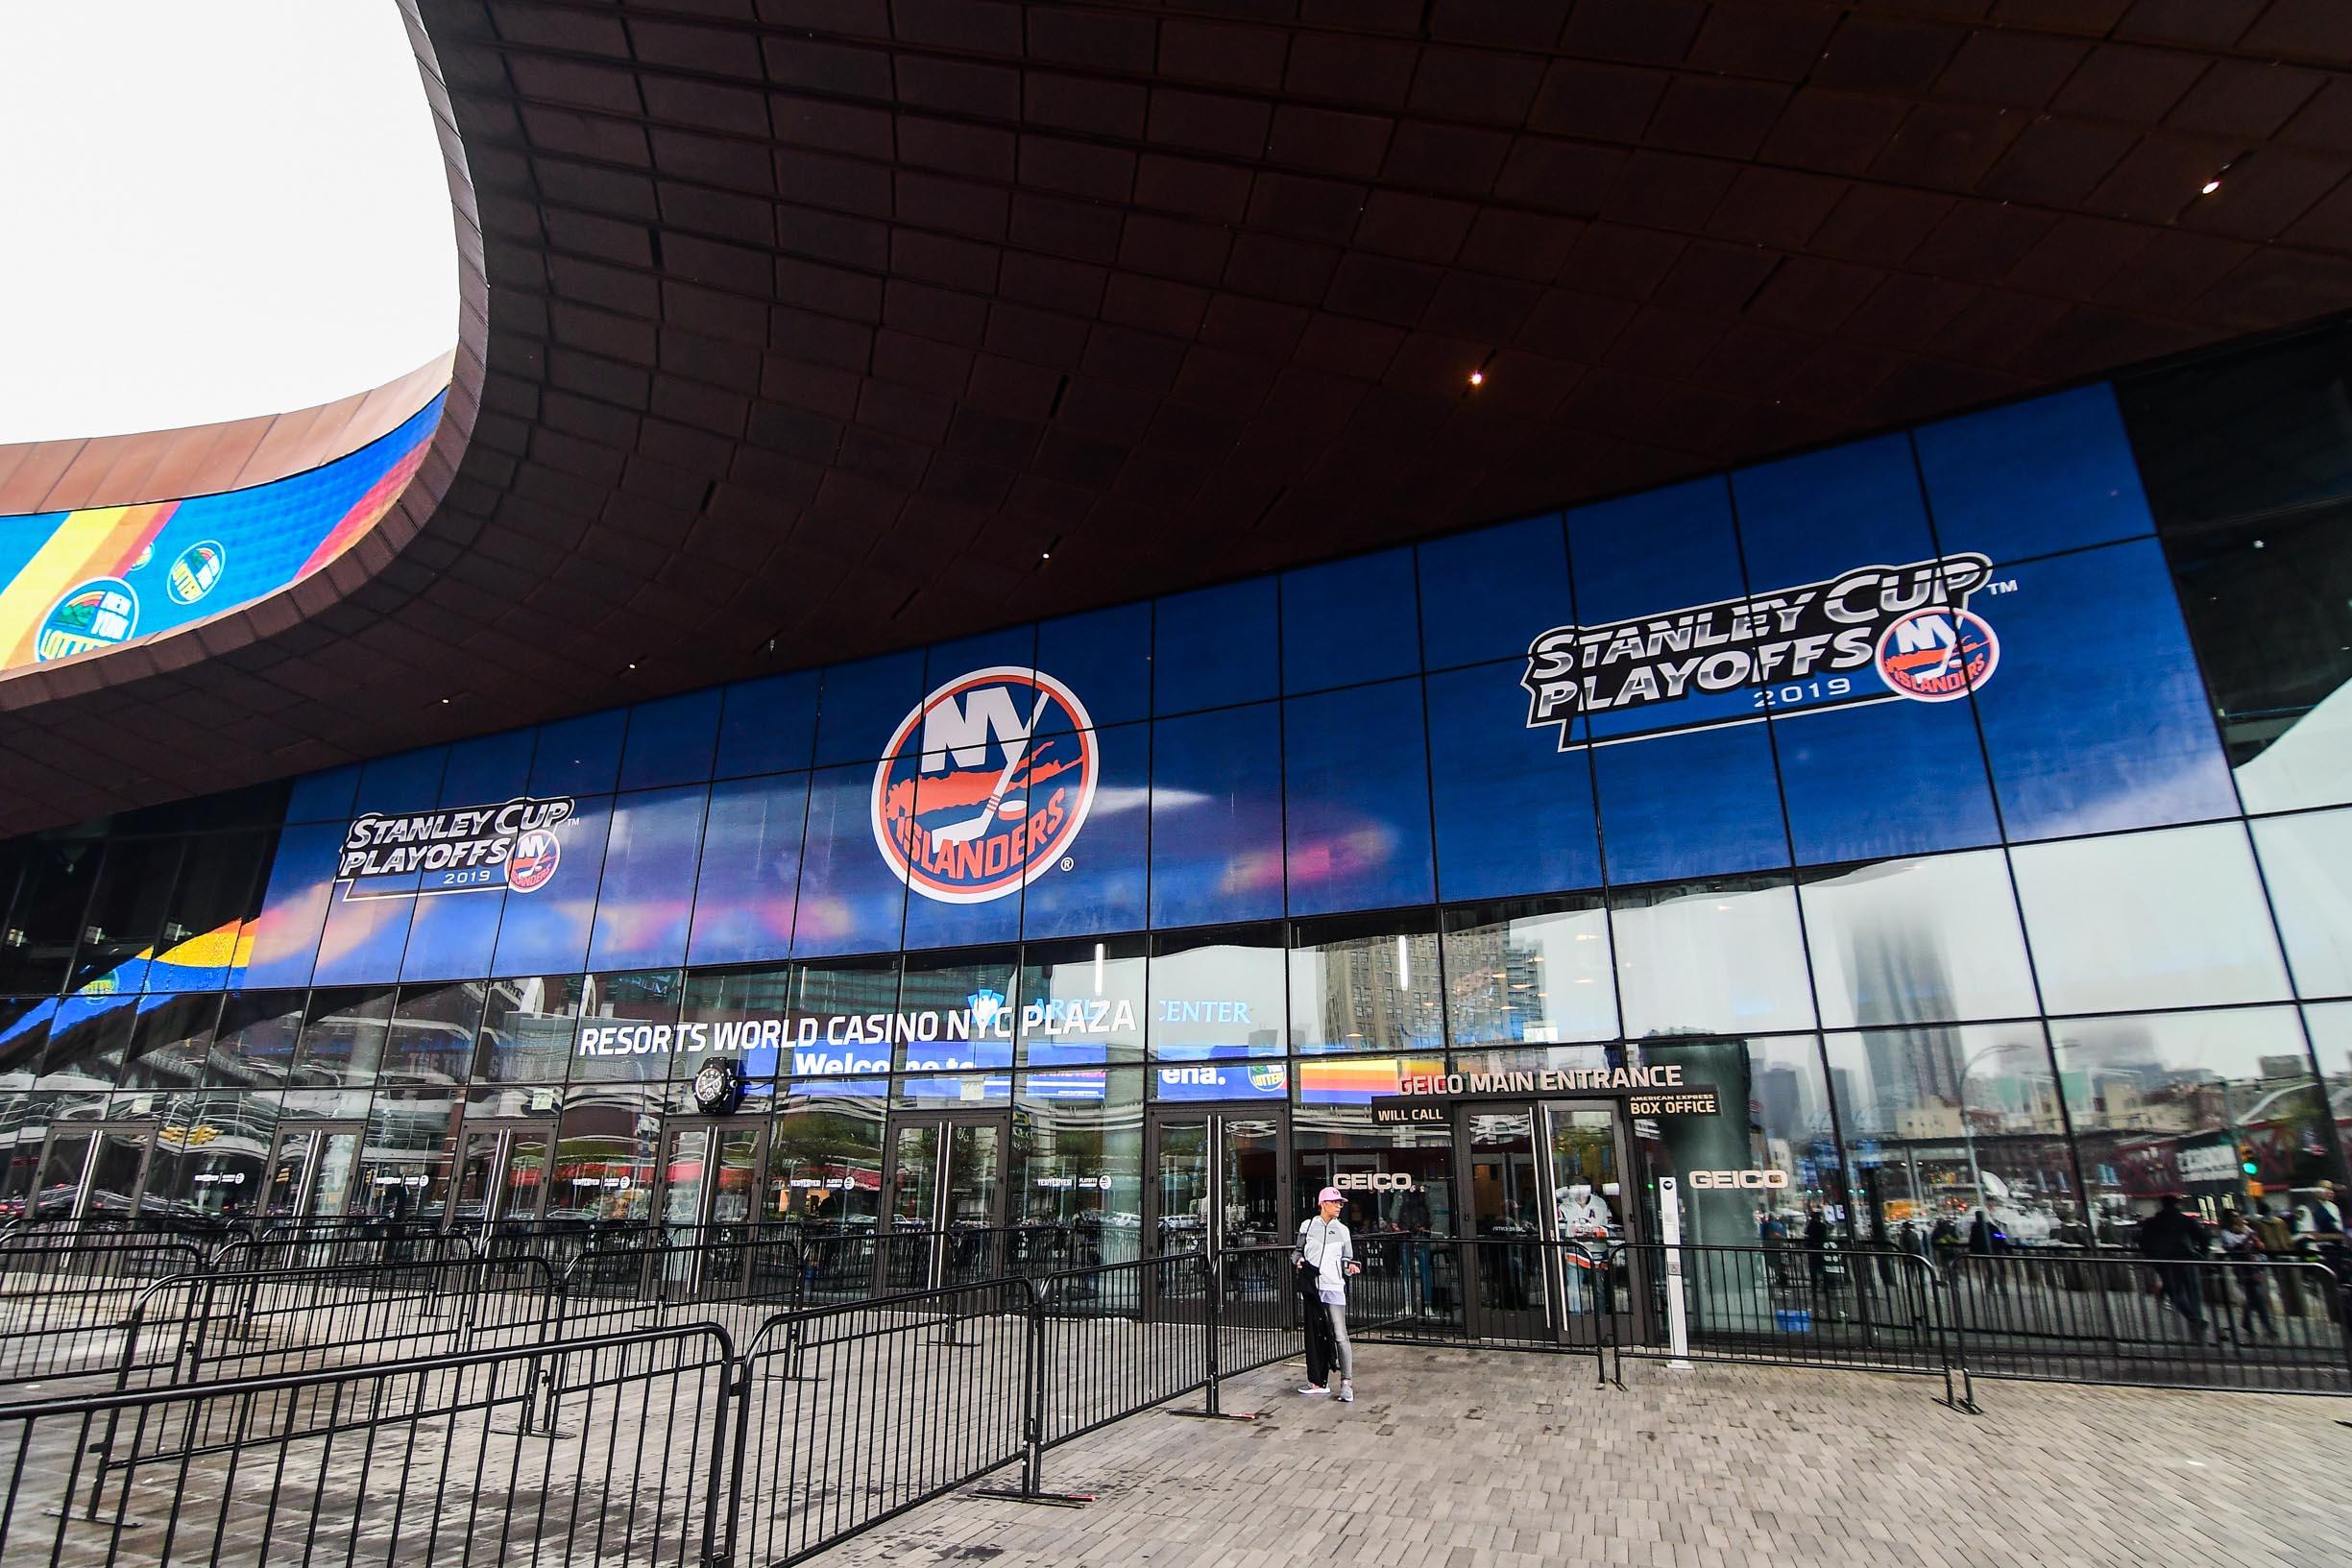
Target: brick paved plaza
{"points": [[1495, 1459]]}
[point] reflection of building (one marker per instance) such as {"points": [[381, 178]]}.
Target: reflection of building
{"points": [[1783, 1101], [1379, 993]]}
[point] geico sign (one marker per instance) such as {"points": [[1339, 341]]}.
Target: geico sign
{"points": [[1724, 1181], [1373, 1181]]}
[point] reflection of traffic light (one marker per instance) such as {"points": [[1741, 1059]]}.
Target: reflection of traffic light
{"points": [[2246, 1161]]}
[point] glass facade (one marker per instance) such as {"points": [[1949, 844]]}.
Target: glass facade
{"points": [[1972, 806]]}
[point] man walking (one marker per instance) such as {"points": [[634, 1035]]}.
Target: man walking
{"points": [[2173, 1241]]}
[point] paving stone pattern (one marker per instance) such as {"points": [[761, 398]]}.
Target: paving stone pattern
{"points": [[1496, 1460]]}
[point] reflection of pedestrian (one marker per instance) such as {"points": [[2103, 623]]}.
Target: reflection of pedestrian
{"points": [[1945, 1239], [1412, 1216], [2243, 1248], [1817, 1255], [2173, 1242], [1985, 1240]]}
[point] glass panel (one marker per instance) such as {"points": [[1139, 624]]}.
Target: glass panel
{"points": [[607, 1155], [1251, 1181], [1100, 884], [2149, 920], [171, 1042], [63, 1165], [209, 1160], [768, 725], [914, 1205], [2307, 863], [1079, 1163], [1366, 983], [628, 1029], [757, 1002], [1717, 956], [1588, 1198], [840, 1016], [258, 1035], [1942, 1122], [749, 880], [647, 893], [2175, 1102], [1506, 1200], [1689, 804], [1514, 812], [435, 1029], [332, 1191], [522, 1186], [1180, 1185], [1588, 1191], [2075, 757], [825, 1168], [45, 922], [528, 1028], [1915, 941], [478, 1178], [686, 1172], [1355, 792], [24, 1034], [343, 1038], [88, 1039], [1214, 646], [737, 1197], [126, 914], [850, 901], [1534, 972], [1217, 994], [1216, 826], [957, 1011], [2269, 609], [1351, 620], [670, 740], [976, 1180], [1083, 1002], [287, 1170], [546, 930], [405, 1161], [216, 894]]}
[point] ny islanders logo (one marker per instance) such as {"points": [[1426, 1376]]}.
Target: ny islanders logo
{"points": [[1937, 654], [985, 786]]}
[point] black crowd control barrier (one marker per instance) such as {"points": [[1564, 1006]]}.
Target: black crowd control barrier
{"points": [[66, 1301], [1827, 1307], [2258, 1325], [430, 1460]]}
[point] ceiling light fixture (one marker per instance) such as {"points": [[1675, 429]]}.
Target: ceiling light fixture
{"points": [[1478, 378], [2211, 185]]}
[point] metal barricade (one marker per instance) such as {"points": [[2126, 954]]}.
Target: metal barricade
{"points": [[442, 1459], [1865, 1310], [2266, 1325], [66, 1301], [274, 1321]]}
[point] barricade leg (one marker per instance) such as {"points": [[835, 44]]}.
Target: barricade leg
{"points": [[1212, 1320], [1033, 1419]]}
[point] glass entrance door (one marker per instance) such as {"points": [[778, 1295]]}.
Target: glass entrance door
{"points": [[1217, 1183], [943, 1187], [502, 1177], [313, 1173], [92, 1171], [1510, 1294], [1584, 1164], [711, 1173], [1548, 1207]]}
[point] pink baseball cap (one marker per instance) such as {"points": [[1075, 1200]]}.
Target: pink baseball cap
{"points": [[1329, 1195]]}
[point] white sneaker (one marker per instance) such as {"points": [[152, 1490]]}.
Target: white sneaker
{"points": [[1314, 1389], [1348, 1393]]}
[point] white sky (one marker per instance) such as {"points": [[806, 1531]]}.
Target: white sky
{"points": [[216, 210]]}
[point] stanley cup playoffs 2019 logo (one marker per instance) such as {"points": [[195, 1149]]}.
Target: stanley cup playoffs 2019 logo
{"points": [[986, 784], [1812, 646]]}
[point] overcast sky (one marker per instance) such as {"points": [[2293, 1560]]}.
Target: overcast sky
{"points": [[215, 210]]}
